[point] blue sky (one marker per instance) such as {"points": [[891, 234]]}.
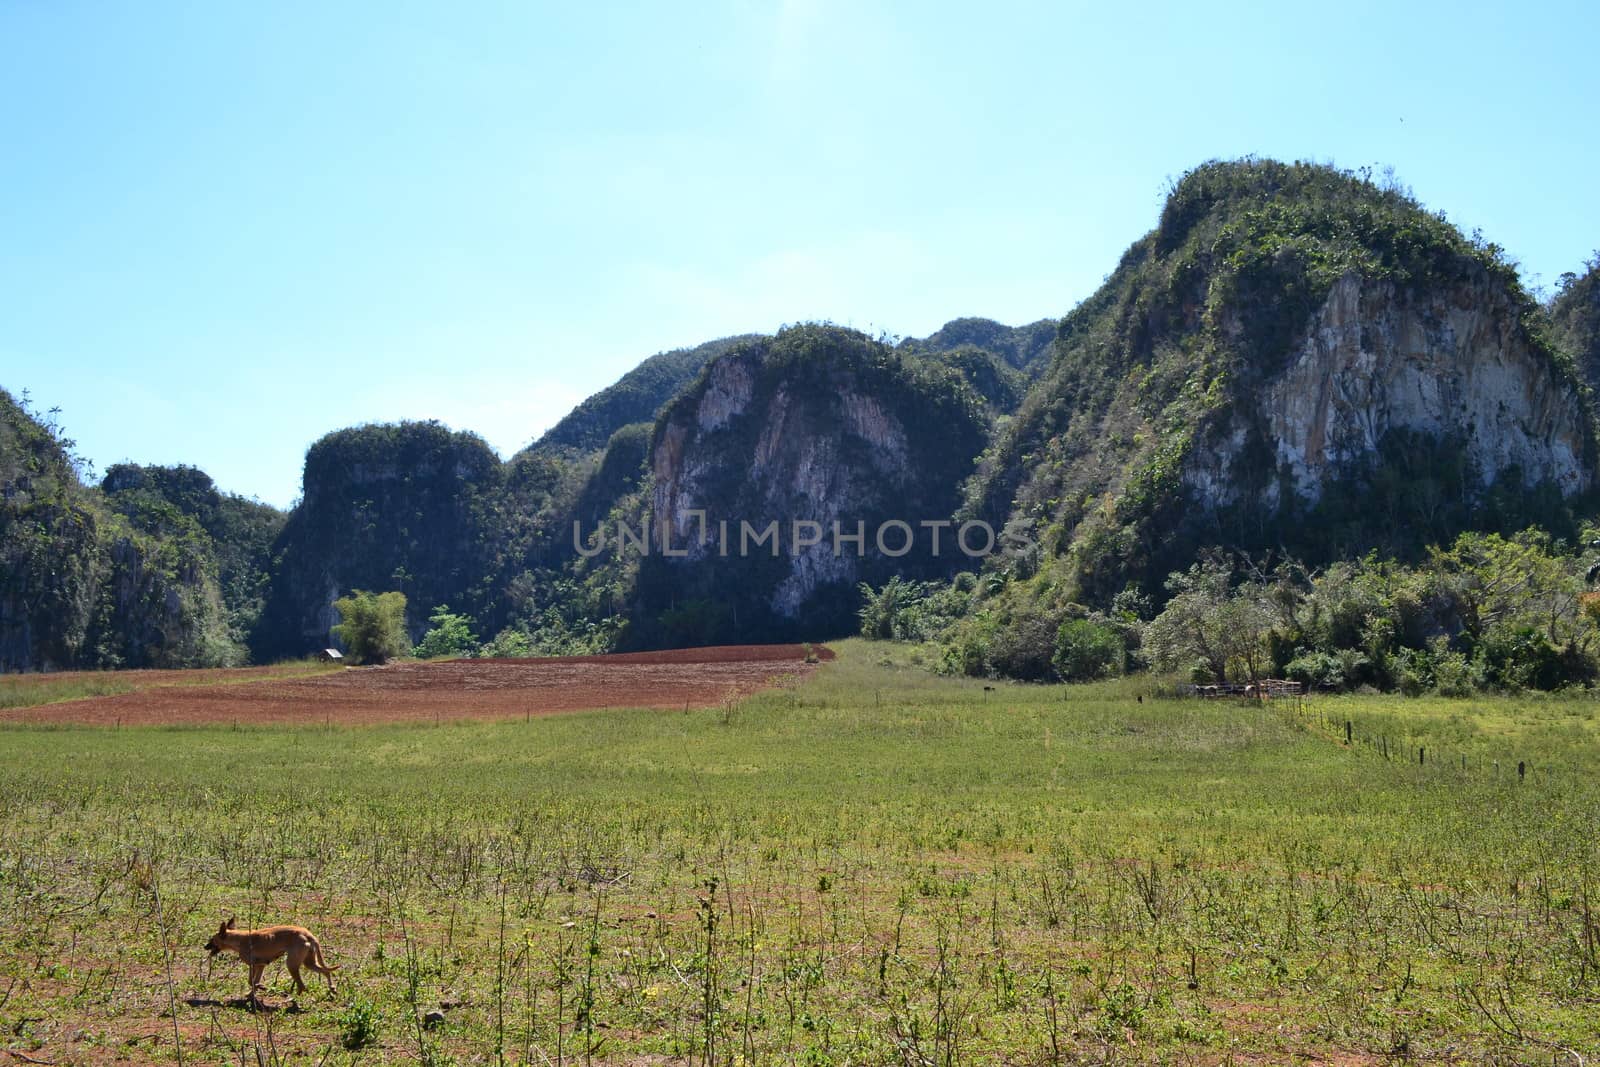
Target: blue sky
{"points": [[227, 228]]}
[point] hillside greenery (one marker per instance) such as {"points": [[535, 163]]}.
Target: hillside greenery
{"points": [[165, 501], [411, 507], [84, 585], [1198, 316], [636, 397], [1025, 349], [1486, 613], [1575, 318]]}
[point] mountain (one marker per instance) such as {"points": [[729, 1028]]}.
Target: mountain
{"points": [[411, 506], [241, 531], [821, 425], [1293, 359], [84, 586], [633, 398], [1023, 348]]}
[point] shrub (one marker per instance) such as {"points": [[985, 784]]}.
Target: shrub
{"points": [[358, 1025], [510, 643], [1087, 650], [1026, 647], [1327, 670], [451, 635], [372, 626]]}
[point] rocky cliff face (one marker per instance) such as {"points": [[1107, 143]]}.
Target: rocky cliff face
{"points": [[817, 426], [1450, 363], [1294, 360]]}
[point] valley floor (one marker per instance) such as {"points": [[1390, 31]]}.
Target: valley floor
{"points": [[409, 691], [872, 866]]}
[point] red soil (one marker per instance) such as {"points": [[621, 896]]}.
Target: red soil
{"points": [[459, 689]]}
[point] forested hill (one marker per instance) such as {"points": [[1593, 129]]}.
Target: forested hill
{"points": [[1295, 361], [635, 397], [241, 531], [84, 585], [1023, 348]]}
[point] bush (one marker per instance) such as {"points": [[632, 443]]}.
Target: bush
{"points": [[372, 626], [1521, 657], [1454, 675], [1088, 650], [1327, 670], [1026, 647], [451, 636], [358, 1025], [509, 643], [911, 611], [968, 649]]}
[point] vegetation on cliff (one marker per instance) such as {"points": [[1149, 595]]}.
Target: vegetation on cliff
{"points": [[634, 398], [81, 584], [409, 507], [1162, 370], [1575, 316], [1025, 349], [183, 502]]}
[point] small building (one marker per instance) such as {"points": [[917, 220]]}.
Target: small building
{"points": [[331, 655]]}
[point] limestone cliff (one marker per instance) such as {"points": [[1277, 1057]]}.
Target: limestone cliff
{"points": [[1450, 363], [817, 425], [1295, 359]]}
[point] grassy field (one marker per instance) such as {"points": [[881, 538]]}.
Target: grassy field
{"points": [[877, 867]]}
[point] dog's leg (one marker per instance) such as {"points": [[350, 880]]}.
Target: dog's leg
{"points": [[255, 983], [292, 961]]}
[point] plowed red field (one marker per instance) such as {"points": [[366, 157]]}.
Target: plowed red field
{"points": [[461, 689]]}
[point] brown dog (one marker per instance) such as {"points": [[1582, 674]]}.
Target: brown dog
{"points": [[260, 947]]}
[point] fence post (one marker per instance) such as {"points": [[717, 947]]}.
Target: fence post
{"points": [[1347, 731], [1422, 757], [1522, 769]]}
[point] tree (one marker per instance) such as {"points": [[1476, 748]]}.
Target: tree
{"points": [[451, 636], [372, 626], [881, 609], [1207, 623], [1086, 650]]}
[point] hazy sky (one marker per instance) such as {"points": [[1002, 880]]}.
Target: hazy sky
{"points": [[229, 228]]}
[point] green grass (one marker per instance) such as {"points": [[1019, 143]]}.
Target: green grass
{"points": [[879, 867]]}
